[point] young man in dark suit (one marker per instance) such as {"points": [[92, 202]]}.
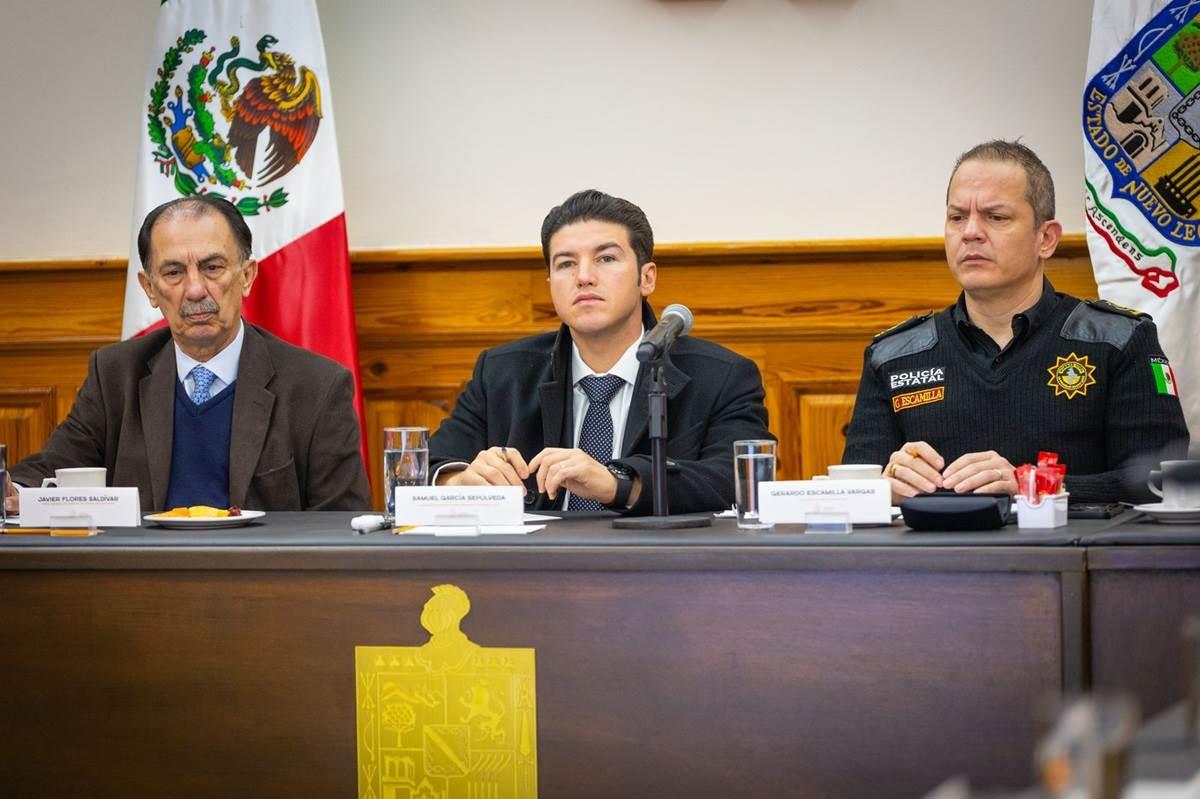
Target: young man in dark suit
{"points": [[566, 413]]}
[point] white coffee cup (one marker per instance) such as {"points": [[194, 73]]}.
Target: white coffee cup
{"points": [[77, 477], [856, 471], [1178, 483]]}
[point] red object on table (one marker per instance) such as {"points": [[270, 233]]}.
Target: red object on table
{"points": [[1047, 477]]}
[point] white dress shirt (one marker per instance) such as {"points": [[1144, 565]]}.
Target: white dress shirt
{"points": [[625, 368], [224, 365]]}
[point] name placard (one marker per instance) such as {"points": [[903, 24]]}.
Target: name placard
{"points": [[459, 505], [108, 507], [790, 501]]}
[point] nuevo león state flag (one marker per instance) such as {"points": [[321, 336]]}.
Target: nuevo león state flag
{"points": [[237, 103], [1141, 126]]}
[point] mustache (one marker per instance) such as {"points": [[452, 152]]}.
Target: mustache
{"points": [[206, 305]]}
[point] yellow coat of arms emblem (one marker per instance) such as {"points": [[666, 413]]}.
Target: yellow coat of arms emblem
{"points": [[448, 719]]}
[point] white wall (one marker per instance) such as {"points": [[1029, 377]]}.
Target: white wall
{"points": [[462, 121]]}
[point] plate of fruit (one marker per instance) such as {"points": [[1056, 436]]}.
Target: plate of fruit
{"points": [[204, 516]]}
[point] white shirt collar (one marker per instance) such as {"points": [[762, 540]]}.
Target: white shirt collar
{"points": [[224, 364], [625, 368]]}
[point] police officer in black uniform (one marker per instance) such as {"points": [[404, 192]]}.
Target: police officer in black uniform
{"points": [[955, 400]]}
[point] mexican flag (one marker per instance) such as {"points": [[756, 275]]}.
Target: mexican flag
{"points": [[237, 103], [1141, 128], [1164, 378]]}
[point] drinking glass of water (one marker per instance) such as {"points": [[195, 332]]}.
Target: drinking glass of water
{"points": [[3, 484], [753, 463], [405, 460]]}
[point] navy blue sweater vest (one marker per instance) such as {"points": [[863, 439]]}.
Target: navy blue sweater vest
{"points": [[200, 452]]}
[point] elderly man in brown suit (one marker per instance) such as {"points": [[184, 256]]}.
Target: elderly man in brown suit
{"points": [[211, 410]]}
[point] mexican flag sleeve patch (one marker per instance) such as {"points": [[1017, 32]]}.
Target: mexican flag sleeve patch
{"points": [[1164, 377]]}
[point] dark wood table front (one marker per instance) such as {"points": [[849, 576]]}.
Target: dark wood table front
{"points": [[709, 663], [1143, 584]]}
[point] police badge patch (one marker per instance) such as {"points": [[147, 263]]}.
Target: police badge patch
{"points": [[1071, 376]]}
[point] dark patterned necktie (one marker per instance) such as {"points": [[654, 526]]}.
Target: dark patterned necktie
{"points": [[596, 432], [202, 381]]}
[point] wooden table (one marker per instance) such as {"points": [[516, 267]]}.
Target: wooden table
{"points": [[709, 663], [1143, 583]]}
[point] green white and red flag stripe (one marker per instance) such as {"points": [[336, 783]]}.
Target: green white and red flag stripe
{"points": [[1164, 378], [303, 291]]}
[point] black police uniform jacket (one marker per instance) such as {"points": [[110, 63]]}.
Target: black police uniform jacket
{"points": [[1077, 379]]}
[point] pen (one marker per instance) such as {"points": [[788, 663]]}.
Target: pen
{"points": [[531, 494], [47, 531]]}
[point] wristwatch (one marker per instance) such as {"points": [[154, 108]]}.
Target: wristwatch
{"points": [[624, 475]]}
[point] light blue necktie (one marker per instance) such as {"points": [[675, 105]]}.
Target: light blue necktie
{"points": [[202, 381]]}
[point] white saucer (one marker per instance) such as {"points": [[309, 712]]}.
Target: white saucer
{"points": [[205, 522], [1169, 515]]}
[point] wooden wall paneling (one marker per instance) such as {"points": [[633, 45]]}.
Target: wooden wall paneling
{"points": [[419, 409], [803, 311], [78, 302], [863, 291], [783, 412], [801, 370], [390, 368], [407, 386], [27, 417], [799, 301], [63, 367], [449, 305], [821, 436]]}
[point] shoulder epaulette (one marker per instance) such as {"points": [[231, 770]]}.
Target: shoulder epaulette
{"points": [[911, 336], [908, 323], [1112, 307], [1098, 321]]}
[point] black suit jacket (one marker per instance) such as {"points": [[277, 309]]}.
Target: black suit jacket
{"points": [[521, 396], [295, 437]]}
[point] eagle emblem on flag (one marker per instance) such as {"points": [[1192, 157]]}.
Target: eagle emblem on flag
{"points": [[266, 94]]}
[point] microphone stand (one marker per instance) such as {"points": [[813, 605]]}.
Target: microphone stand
{"points": [[657, 427]]}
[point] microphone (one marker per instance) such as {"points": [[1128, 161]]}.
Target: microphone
{"points": [[676, 321]]}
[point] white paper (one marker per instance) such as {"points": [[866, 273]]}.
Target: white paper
{"points": [[108, 507], [537, 517]]}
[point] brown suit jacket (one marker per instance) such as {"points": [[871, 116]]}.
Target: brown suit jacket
{"points": [[295, 437]]}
